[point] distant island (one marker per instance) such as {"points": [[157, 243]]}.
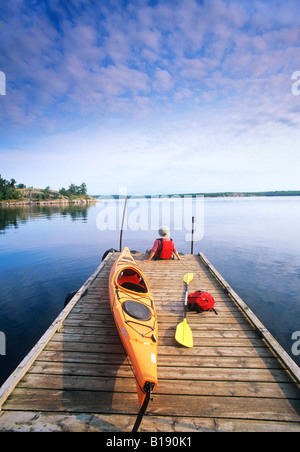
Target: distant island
{"points": [[227, 194], [12, 193]]}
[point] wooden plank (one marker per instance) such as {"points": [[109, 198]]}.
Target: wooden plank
{"points": [[214, 351], [167, 339], [168, 330], [32, 421], [165, 361], [188, 387], [170, 405], [84, 369], [76, 343], [184, 373]]}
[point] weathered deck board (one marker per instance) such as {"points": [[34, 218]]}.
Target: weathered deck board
{"points": [[230, 380]]}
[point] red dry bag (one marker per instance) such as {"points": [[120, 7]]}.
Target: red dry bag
{"points": [[201, 301]]}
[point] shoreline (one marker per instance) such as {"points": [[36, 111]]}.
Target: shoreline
{"points": [[193, 195], [54, 202]]}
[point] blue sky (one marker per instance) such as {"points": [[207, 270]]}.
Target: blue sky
{"points": [[156, 96]]}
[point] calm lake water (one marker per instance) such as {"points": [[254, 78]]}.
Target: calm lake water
{"points": [[48, 252]]}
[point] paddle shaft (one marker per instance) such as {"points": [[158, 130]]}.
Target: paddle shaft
{"points": [[121, 232], [187, 279], [186, 299]]}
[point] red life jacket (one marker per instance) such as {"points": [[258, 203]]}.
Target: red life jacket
{"points": [[165, 249], [201, 301]]}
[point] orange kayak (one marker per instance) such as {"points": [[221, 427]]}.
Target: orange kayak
{"points": [[134, 313]]}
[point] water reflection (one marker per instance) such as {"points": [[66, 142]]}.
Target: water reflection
{"points": [[13, 217]]}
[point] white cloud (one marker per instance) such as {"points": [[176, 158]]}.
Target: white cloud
{"points": [[117, 55]]}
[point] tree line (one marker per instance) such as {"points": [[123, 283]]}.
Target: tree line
{"points": [[9, 190], [74, 190]]}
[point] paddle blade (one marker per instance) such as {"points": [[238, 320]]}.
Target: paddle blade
{"points": [[188, 277], [184, 335]]}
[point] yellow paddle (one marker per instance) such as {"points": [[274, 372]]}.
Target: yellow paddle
{"points": [[184, 334]]}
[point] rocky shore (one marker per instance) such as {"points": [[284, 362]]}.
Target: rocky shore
{"points": [[56, 202], [34, 197]]}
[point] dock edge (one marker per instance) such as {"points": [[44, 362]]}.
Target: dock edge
{"points": [[9, 385], [290, 366]]}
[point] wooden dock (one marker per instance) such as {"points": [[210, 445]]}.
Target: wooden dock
{"points": [[78, 378]]}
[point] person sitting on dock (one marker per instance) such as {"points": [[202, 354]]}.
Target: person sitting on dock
{"points": [[164, 247]]}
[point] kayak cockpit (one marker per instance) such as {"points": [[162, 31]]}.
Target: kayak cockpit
{"points": [[131, 279]]}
